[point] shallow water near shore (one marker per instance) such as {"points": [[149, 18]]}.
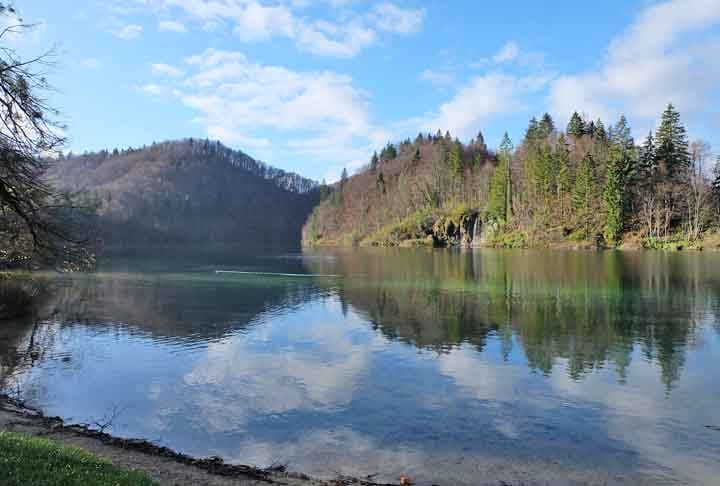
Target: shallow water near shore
{"points": [[454, 367]]}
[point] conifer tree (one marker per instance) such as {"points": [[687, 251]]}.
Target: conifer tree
{"points": [[621, 135], [533, 130], [454, 160], [715, 184], [576, 126], [499, 199], [648, 156], [614, 194], [600, 132], [562, 157], [546, 127], [583, 192], [672, 142], [374, 162]]}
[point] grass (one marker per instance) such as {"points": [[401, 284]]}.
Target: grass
{"points": [[41, 462]]}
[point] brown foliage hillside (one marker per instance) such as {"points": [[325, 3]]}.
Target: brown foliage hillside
{"points": [[189, 192], [408, 181]]}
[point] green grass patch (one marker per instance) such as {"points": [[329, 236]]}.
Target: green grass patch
{"points": [[40, 462]]}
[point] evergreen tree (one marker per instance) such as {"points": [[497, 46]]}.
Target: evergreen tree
{"points": [[374, 162], [600, 133], [531, 134], [576, 126], [479, 143], [499, 199], [590, 129], [621, 136], [546, 127], [614, 194], [716, 183], [672, 142], [417, 157], [648, 156], [583, 192], [562, 157], [454, 160]]}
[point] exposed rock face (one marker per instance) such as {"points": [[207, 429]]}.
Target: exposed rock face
{"points": [[448, 231]]}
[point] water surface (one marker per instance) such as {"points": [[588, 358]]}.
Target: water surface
{"points": [[452, 367]]}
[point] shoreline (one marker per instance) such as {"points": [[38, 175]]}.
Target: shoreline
{"points": [[164, 465]]}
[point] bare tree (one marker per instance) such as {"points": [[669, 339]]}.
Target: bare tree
{"points": [[37, 224], [699, 189]]}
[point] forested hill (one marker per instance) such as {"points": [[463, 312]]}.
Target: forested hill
{"points": [[588, 184], [188, 192]]}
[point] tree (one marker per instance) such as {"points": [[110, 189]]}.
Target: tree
{"points": [[715, 185], [700, 190], [546, 127], [672, 142], [576, 126], [648, 156], [614, 194], [583, 193], [499, 199], [563, 182], [374, 162], [454, 160], [621, 136], [38, 225]]}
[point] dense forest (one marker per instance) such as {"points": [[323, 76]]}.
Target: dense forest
{"points": [[187, 192], [588, 185]]}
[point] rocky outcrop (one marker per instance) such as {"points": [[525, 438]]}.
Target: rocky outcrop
{"points": [[456, 231]]}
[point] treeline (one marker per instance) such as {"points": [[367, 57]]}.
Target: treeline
{"points": [[589, 182], [596, 183], [207, 149]]}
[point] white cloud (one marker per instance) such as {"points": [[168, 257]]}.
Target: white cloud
{"points": [[483, 97], [667, 55], [391, 18], [316, 114], [128, 32], [171, 26], [167, 70], [343, 35], [507, 53], [436, 77]]}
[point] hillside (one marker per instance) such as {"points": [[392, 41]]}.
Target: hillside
{"points": [[424, 191], [585, 186], [188, 192]]}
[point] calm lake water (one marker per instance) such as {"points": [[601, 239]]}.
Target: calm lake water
{"points": [[469, 367]]}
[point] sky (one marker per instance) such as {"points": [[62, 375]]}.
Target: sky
{"points": [[313, 86]]}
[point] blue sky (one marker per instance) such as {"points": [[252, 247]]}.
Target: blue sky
{"points": [[316, 85]]}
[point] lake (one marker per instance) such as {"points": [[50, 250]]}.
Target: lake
{"points": [[453, 367]]}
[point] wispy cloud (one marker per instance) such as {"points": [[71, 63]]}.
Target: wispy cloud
{"points": [[310, 114], [666, 55], [342, 35]]}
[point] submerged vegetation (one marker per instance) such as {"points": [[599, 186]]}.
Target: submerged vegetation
{"points": [[585, 185]]}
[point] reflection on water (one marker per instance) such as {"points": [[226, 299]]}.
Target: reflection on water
{"points": [[455, 367]]}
